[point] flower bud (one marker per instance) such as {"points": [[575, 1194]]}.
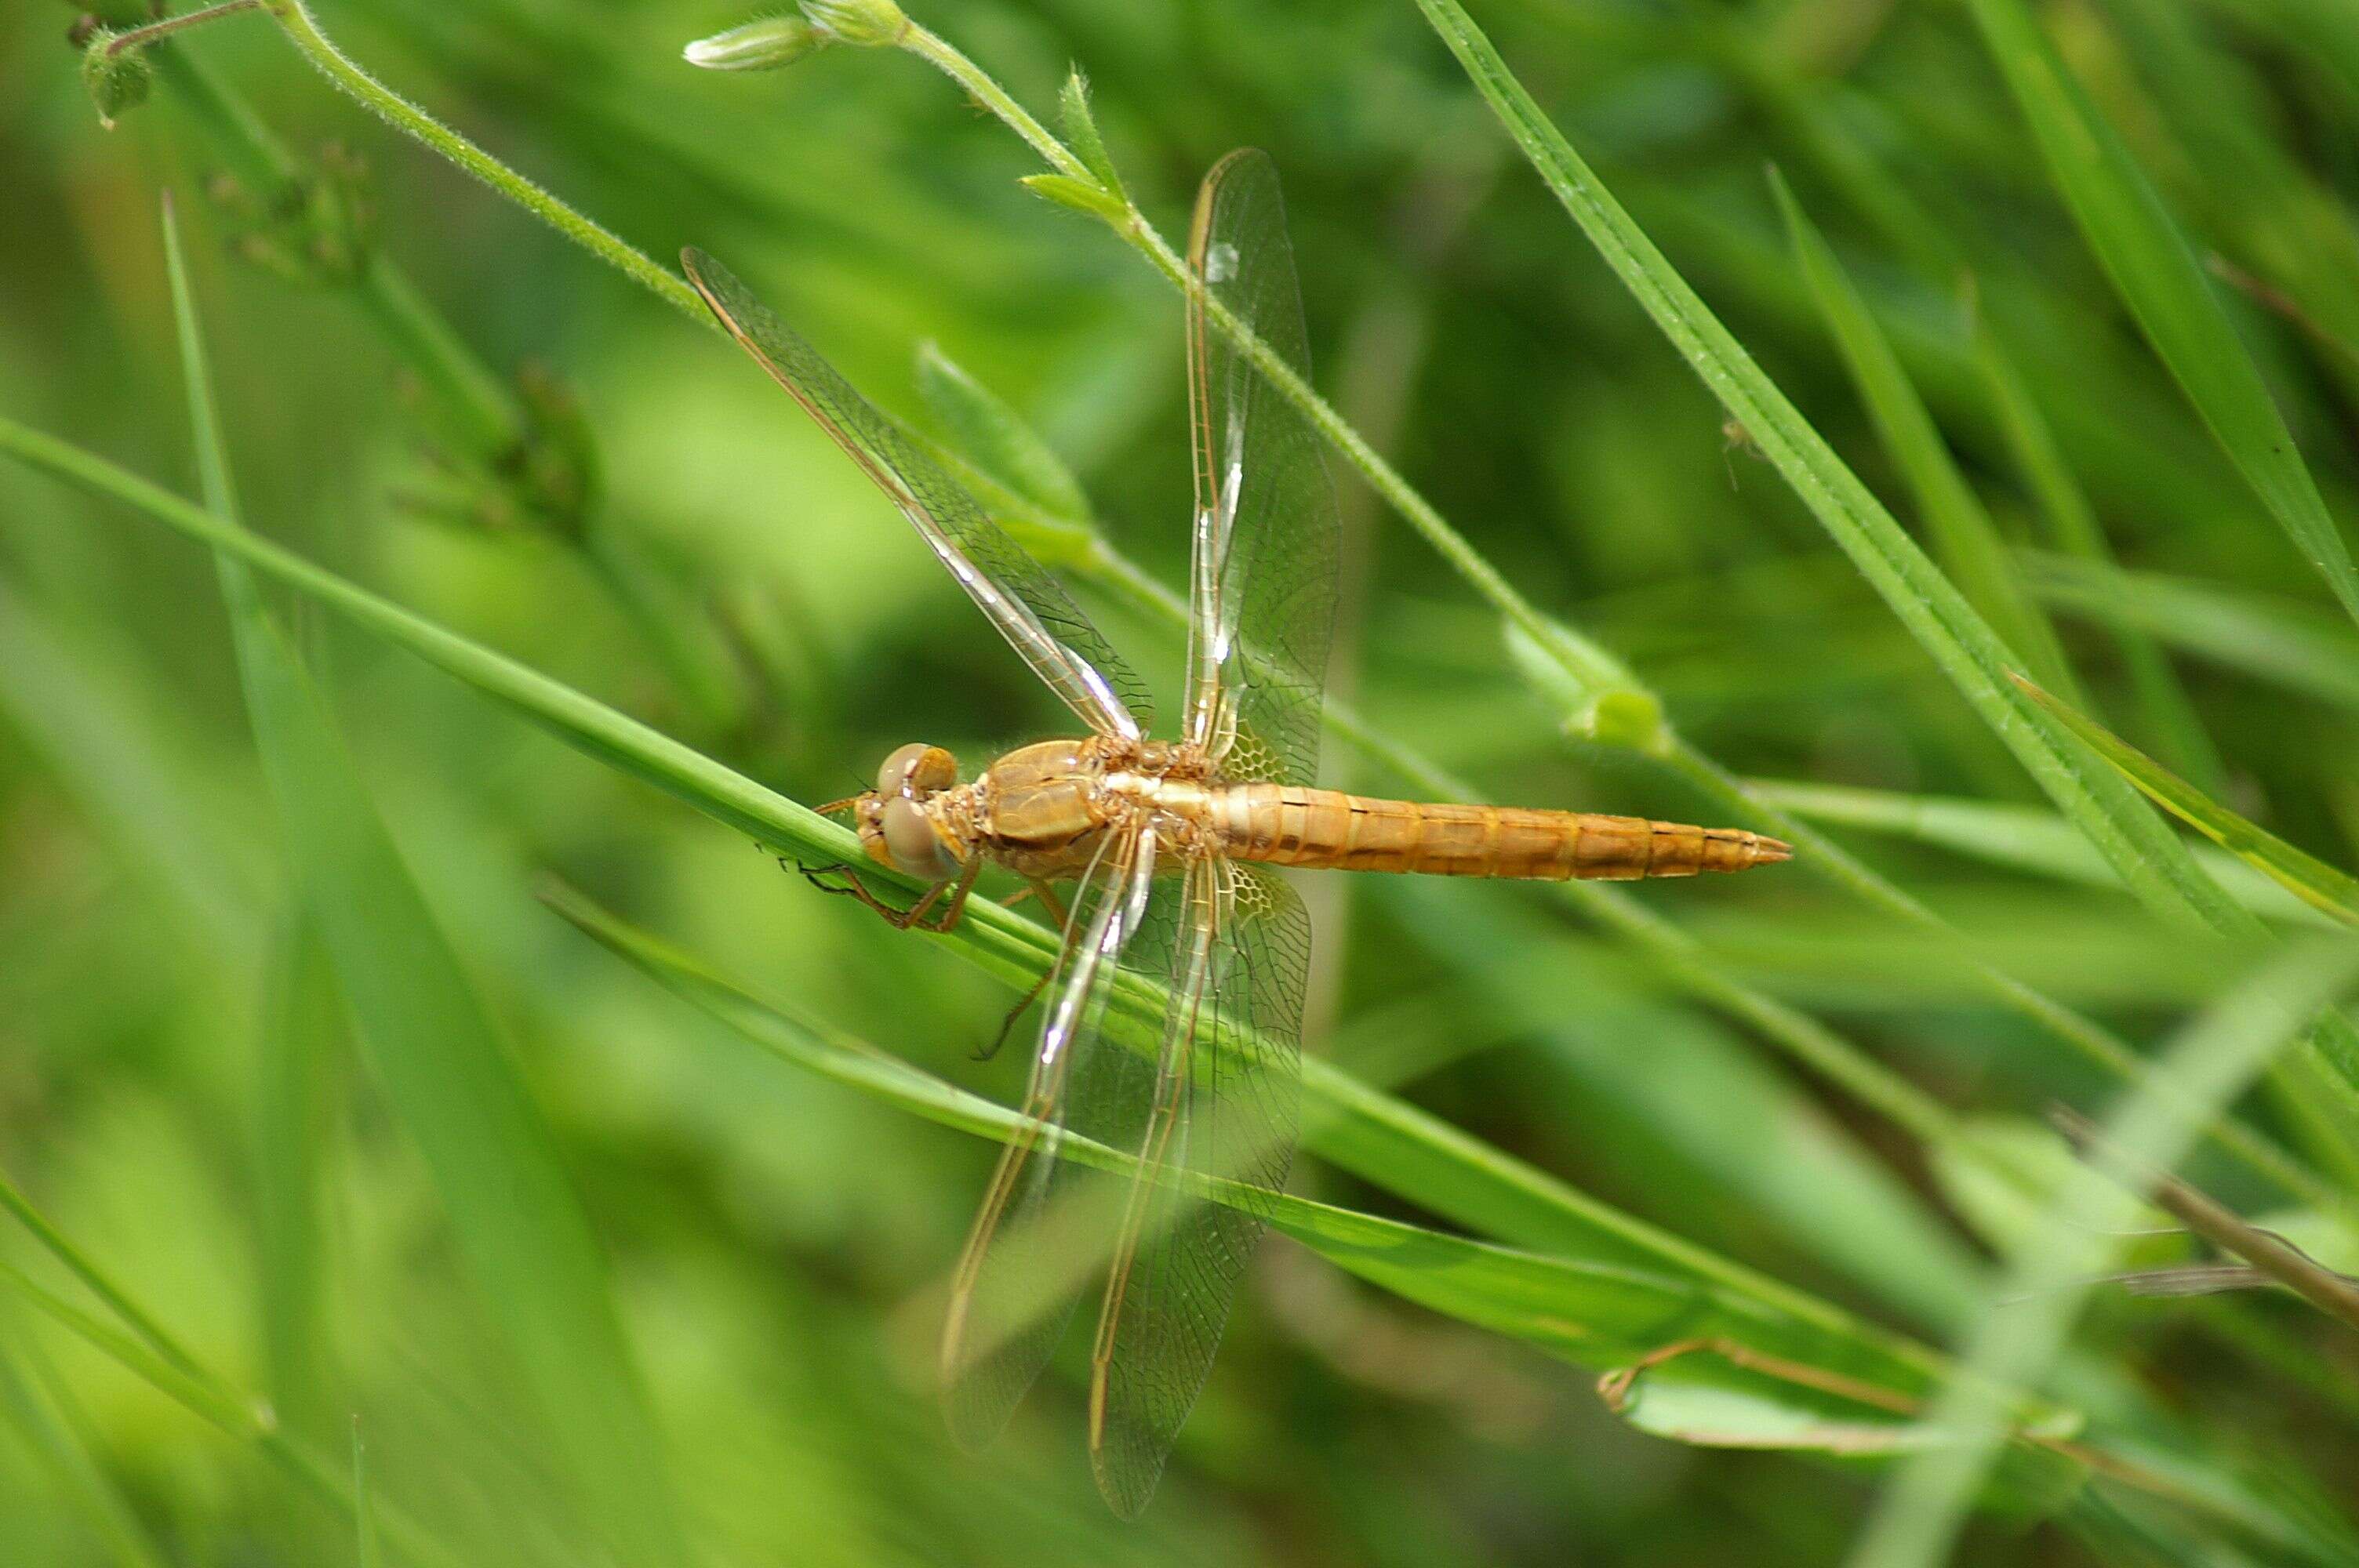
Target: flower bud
{"points": [[864, 24], [762, 45], [117, 79]]}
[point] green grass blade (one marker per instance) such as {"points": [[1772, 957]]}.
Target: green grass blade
{"points": [[53, 1435], [2308, 878], [2151, 861], [1512, 1292], [1749, 1142], [2155, 271], [536, 1261], [1968, 541], [2050, 1276], [2286, 644], [2024, 839], [2166, 711], [69, 702]]}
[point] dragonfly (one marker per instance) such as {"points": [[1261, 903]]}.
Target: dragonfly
{"points": [[1164, 849]]}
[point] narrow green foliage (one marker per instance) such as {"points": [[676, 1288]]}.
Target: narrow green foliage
{"points": [[1567, 1303], [2305, 876], [1967, 540], [2167, 713], [2158, 277], [444, 1068], [2052, 1272], [1082, 132], [1081, 196], [2281, 642], [2151, 861], [2025, 838]]}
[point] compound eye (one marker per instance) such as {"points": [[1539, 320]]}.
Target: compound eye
{"points": [[916, 771], [913, 844]]}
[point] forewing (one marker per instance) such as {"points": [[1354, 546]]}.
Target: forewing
{"points": [[1224, 1108], [1045, 1218], [1263, 576], [1039, 618]]}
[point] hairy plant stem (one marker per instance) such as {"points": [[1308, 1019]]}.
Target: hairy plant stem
{"points": [[294, 17], [165, 27], [1582, 662]]}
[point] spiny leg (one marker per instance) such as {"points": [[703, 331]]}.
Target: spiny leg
{"points": [[900, 919]]}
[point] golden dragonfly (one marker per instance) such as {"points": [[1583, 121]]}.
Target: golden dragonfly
{"points": [[1165, 844]]}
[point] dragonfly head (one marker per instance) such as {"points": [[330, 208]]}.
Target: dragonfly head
{"points": [[894, 827]]}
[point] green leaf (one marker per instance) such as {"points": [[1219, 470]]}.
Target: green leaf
{"points": [[1081, 122], [2157, 275], [984, 432], [2150, 858], [1094, 200], [1968, 540], [519, 1223], [2305, 876]]}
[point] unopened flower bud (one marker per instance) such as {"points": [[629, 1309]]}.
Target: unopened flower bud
{"points": [[762, 45], [117, 79], [865, 24]]}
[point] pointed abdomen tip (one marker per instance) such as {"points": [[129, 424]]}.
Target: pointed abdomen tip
{"points": [[1768, 851]]}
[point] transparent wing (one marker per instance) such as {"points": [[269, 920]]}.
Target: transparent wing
{"points": [[1224, 1103], [1045, 1218], [1023, 602], [1263, 585]]}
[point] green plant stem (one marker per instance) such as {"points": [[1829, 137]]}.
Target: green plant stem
{"points": [[153, 1334], [164, 28], [294, 17]]}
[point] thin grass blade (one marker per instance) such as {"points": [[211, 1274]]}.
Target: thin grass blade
{"points": [[2158, 277], [2308, 878], [536, 1261]]}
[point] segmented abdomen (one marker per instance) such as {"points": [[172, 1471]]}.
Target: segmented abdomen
{"points": [[1287, 825]]}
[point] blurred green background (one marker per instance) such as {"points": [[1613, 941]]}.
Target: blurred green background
{"points": [[180, 1092]]}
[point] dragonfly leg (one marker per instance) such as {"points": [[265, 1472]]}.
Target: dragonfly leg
{"points": [[1050, 901], [899, 919]]}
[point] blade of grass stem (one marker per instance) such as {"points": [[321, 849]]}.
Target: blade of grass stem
{"points": [[2157, 277], [2285, 643], [2308, 878], [2025, 838], [535, 1258], [2050, 1276], [2169, 714], [1969, 542]]}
